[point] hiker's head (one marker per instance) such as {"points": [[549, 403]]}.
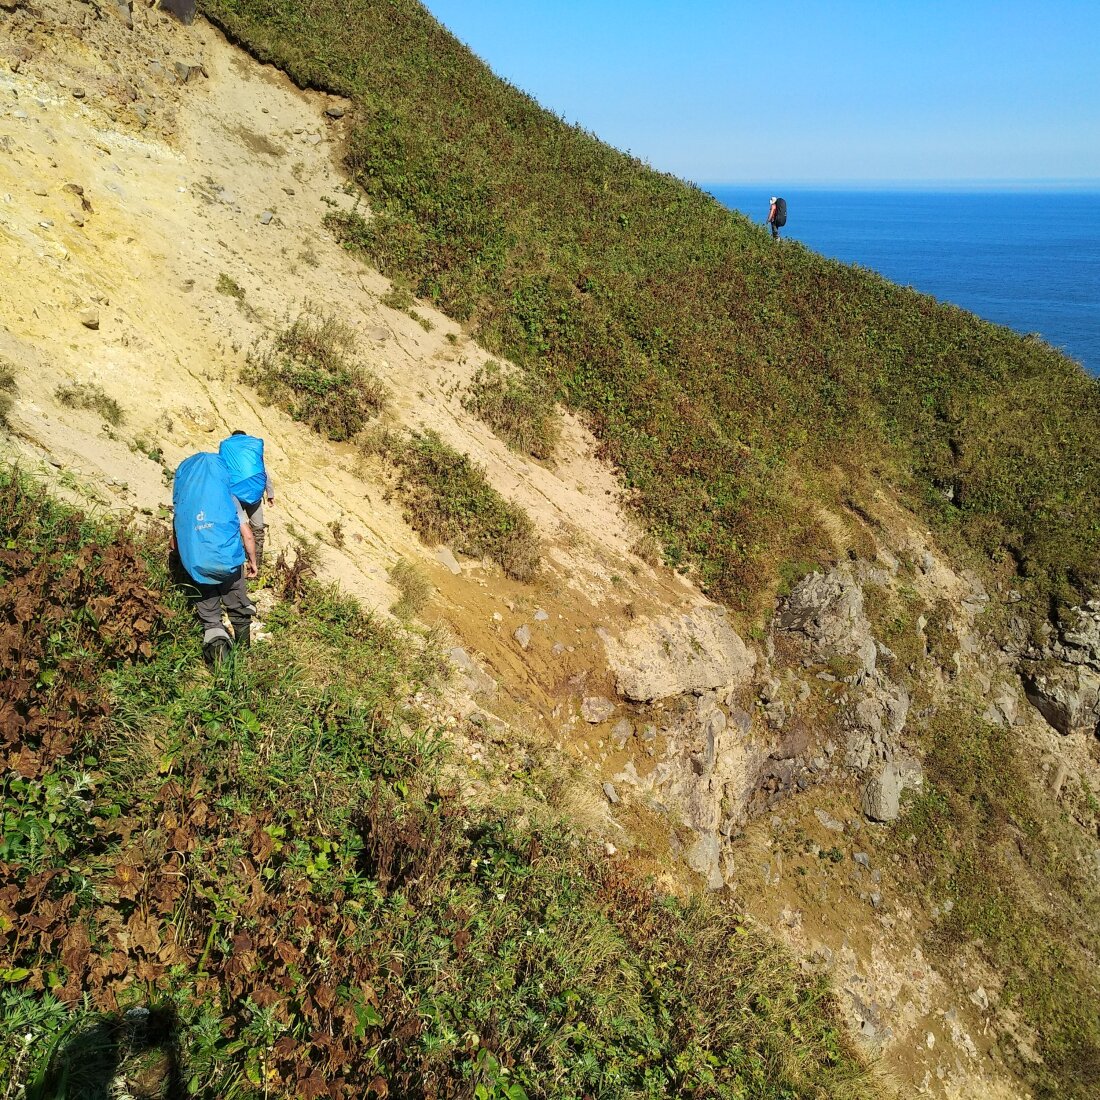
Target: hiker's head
{"points": [[239, 432], [772, 199]]}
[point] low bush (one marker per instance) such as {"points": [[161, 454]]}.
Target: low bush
{"points": [[310, 371], [414, 586], [449, 500], [7, 388], [92, 396], [517, 407]]}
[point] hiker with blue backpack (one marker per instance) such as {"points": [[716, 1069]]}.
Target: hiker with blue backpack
{"points": [[777, 216], [249, 482], [213, 538]]}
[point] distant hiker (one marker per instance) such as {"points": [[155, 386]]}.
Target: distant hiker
{"points": [[249, 482], [777, 216], [213, 539]]}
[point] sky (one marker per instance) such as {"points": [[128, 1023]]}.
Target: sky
{"points": [[806, 92]]}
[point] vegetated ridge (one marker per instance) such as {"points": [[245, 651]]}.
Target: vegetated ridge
{"points": [[731, 381]]}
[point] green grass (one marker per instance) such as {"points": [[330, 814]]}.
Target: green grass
{"points": [[732, 382], [414, 586], [310, 370], [449, 500], [272, 861], [92, 396], [986, 838], [516, 407]]}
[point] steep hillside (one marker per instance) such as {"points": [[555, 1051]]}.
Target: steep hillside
{"points": [[575, 826], [732, 382]]}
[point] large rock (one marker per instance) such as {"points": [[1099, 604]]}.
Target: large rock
{"points": [[696, 652], [883, 791], [1067, 696], [826, 610], [882, 794]]}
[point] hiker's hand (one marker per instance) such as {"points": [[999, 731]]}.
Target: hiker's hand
{"points": [[250, 570]]}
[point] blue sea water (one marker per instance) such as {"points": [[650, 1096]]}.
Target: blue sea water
{"points": [[1026, 259]]}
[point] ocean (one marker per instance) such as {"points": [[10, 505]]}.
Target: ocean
{"points": [[1026, 259]]}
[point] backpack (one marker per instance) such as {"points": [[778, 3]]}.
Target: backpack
{"points": [[780, 213], [208, 530], [244, 456]]}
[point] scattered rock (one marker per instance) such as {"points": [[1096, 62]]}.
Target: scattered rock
{"points": [[611, 794], [522, 635], [185, 70], [10, 5], [703, 857], [265, 217], [123, 10], [541, 616], [829, 821], [78, 93], [445, 556], [335, 111], [594, 708], [227, 197], [1058, 780], [89, 318], [863, 859], [621, 732]]}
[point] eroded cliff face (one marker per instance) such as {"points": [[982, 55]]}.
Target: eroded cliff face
{"points": [[148, 168]]}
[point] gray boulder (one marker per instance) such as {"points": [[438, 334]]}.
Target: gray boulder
{"points": [[1067, 696], [882, 794], [596, 709]]}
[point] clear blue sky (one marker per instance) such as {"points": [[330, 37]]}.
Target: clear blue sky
{"points": [[812, 91]]}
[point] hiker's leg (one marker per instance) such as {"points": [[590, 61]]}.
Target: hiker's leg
{"points": [[208, 609], [240, 609], [255, 513]]}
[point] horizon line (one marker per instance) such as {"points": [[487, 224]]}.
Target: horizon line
{"points": [[1083, 184]]}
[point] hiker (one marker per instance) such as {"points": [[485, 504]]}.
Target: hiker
{"points": [[249, 482], [213, 539], [777, 216]]}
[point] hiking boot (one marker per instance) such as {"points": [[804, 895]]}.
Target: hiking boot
{"points": [[242, 634], [216, 651]]}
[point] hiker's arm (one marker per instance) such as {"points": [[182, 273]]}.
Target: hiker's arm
{"points": [[250, 569], [269, 489]]}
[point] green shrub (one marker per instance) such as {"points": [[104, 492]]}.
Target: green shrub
{"points": [[90, 395], [7, 388], [415, 588], [309, 370], [517, 408], [449, 500], [229, 286]]}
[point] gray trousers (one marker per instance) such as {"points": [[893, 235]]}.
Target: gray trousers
{"points": [[255, 513], [233, 596]]}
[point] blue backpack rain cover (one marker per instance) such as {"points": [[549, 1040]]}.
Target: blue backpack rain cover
{"points": [[208, 530], [244, 455]]}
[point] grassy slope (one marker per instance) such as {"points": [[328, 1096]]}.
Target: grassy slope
{"points": [[271, 860], [732, 381]]}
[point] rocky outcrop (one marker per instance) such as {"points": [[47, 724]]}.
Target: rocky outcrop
{"points": [[696, 652], [1062, 678], [1067, 696], [825, 614], [826, 610]]}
